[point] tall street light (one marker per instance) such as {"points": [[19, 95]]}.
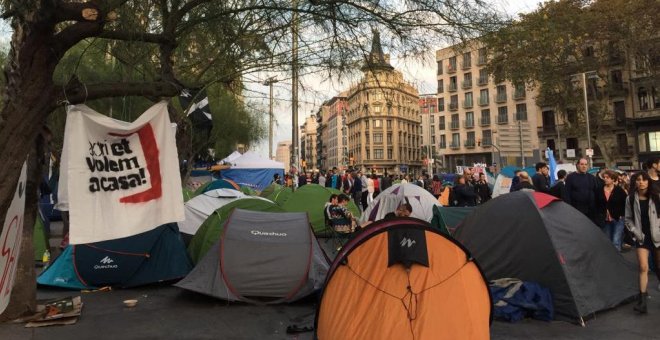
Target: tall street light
{"points": [[586, 113], [269, 82]]}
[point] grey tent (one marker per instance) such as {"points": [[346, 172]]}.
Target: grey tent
{"points": [[262, 257], [536, 237]]}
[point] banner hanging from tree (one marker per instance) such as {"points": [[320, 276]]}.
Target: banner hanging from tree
{"points": [[10, 240], [118, 179]]}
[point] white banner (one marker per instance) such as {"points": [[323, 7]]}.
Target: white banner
{"points": [[118, 179], [10, 240]]}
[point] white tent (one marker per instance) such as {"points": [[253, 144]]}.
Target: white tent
{"points": [[198, 208], [251, 160], [234, 155], [387, 201]]}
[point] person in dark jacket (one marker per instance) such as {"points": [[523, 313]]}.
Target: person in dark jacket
{"points": [[611, 208], [559, 189], [464, 194], [515, 181], [541, 180], [482, 189], [581, 190]]}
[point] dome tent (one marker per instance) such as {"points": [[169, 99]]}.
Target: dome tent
{"points": [[402, 280], [198, 209], [389, 199], [535, 237], [311, 198]]}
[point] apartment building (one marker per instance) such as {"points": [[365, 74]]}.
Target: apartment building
{"points": [[481, 120], [283, 154], [384, 126], [644, 115], [332, 140], [428, 109], [308, 143]]}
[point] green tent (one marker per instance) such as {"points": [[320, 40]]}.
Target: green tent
{"points": [[211, 230], [447, 219], [40, 240], [311, 198], [248, 191], [187, 194], [278, 194], [269, 190]]}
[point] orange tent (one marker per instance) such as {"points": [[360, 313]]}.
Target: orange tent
{"points": [[401, 280], [444, 196]]}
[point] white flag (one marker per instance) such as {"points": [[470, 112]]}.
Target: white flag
{"points": [[118, 179]]}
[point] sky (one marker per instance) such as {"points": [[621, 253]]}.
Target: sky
{"points": [[420, 74]]}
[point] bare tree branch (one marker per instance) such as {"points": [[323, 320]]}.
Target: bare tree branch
{"points": [[79, 93], [136, 36]]}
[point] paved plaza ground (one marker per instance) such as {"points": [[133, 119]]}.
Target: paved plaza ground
{"points": [[167, 312]]}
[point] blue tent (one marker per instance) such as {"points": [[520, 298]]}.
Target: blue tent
{"points": [[253, 171], [153, 256]]}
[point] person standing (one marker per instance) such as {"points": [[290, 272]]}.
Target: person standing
{"points": [[643, 221], [302, 179], [365, 190], [436, 186], [357, 189], [559, 189], [581, 190], [541, 180], [653, 169], [385, 182], [347, 185], [335, 182], [370, 190], [515, 181], [612, 208], [321, 179], [464, 195], [482, 189]]}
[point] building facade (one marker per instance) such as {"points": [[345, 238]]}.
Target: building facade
{"points": [[384, 127], [308, 143], [481, 120], [428, 108], [283, 154]]}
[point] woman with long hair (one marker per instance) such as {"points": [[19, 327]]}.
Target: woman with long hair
{"points": [[643, 221]]}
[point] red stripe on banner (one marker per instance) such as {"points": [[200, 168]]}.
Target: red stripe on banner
{"points": [[151, 155]]}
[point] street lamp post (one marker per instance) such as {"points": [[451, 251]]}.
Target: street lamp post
{"points": [[269, 82], [586, 112]]}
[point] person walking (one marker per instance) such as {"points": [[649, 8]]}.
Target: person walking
{"points": [[581, 190], [612, 208], [357, 189], [642, 219]]}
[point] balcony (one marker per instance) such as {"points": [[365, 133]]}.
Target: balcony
{"points": [[519, 94], [468, 123], [453, 106], [549, 128], [484, 121], [453, 87], [483, 101], [483, 81], [467, 66], [467, 104], [521, 116], [454, 146], [502, 119], [451, 68], [500, 97], [441, 89], [482, 60], [466, 84], [486, 142], [469, 143], [454, 125]]}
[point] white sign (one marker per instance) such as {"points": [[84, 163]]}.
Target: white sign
{"points": [[118, 179], [570, 153], [589, 152], [10, 240]]}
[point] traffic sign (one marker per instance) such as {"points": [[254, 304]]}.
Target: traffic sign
{"points": [[589, 152]]}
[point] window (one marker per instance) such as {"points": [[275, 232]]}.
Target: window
{"points": [[452, 64], [521, 112], [368, 154], [622, 143], [483, 76], [453, 104], [468, 100], [453, 83], [485, 117], [469, 119], [548, 119], [439, 69], [483, 97], [470, 138], [643, 97], [486, 138], [454, 121], [455, 139], [550, 143], [654, 141], [467, 80], [441, 123], [366, 124], [571, 143], [571, 116], [389, 153], [389, 123], [467, 60], [432, 139], [366, 137], [483, 55], [441, 104], [378, 123], [441, 85], [502, 115], [377, 109], [378, 138], [620, 111], [501, 93], [378, 153], [432, 120], [443, 142], [389, 138]]}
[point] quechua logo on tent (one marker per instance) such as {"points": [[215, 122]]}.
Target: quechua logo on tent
{"points": [[267, 233], [106, 263]]}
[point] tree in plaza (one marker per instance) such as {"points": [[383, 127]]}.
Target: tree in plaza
{"points": [[550, 48], [104, 52]]}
